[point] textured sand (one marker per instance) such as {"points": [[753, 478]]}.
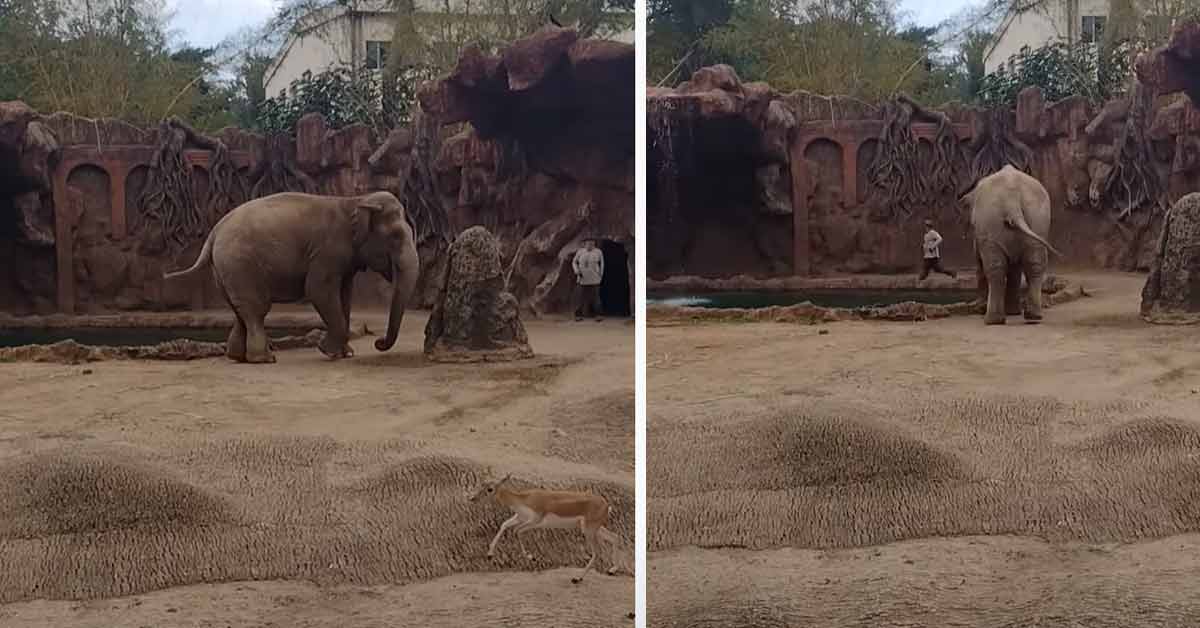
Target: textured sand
{"points": [[211, 493], [930, 474]]}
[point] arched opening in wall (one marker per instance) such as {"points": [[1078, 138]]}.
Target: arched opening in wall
{"points": [[614, 287], [101, 269]]}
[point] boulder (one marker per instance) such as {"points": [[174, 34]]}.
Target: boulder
{"points": [[1172, 292], [474, 319]]}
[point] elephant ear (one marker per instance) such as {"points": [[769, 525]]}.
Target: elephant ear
{"points": [[363, 210]]}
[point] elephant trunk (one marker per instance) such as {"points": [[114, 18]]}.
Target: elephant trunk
{"points": [[405, 269]]}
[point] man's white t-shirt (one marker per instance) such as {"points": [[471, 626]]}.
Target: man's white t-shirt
{"points": [[589, 266], [933, 242]]}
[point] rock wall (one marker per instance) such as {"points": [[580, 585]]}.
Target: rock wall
{"points": [[541, 154], [746, 180], [546, 158]]}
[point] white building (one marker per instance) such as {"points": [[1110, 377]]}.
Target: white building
{"points": [[1054, 20], [359, 34]]}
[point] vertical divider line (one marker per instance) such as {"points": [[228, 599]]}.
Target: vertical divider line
{"points": [[640, 538]]}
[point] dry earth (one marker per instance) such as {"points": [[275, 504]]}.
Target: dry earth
{"points": [[310, 493], [943, 473]]}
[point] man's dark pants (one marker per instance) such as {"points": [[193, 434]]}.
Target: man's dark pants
{"points": [[934, 264], [589, 301]]}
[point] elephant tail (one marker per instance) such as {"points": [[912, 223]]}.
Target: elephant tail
{"points": [[1017, 221], [202, 261]]}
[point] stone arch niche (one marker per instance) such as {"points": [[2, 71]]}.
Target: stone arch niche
{"points": [[96, 192], [820, 195], [97, 269], [866, 153]]}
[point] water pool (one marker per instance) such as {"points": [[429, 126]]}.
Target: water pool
{"points": [[839, 298]]}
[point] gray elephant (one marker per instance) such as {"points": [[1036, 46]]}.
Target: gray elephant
{"points": [[286, 247], [1010, 217]]}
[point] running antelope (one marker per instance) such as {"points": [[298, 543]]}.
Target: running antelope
{"points": [[537, 508]]}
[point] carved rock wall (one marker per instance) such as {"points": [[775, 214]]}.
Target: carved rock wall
{"points": [[535, 144], [744, 180], [546, 156]]}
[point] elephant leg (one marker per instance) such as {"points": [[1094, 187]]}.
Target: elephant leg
{"points": [[324, 290], [258, 349], [994, 266], [347, 295], [1035, 276], [1012, 291], [235, 346]]}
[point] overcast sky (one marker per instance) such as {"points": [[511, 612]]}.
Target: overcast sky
{"points": [[207, 22]]}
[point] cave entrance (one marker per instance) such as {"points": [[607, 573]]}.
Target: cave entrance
{"points": [[614, 287]]}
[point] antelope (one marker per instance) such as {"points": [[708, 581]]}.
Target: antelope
{"points": [[537, 508]]}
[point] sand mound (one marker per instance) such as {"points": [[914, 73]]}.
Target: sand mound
{"points": [[811, 477], [48, 494], [102, 523], [802, 447], [596, 431]]}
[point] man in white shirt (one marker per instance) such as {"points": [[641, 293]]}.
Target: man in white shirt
{"points": [[589, 272], [933, 252]]}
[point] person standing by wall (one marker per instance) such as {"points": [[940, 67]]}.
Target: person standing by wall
{"points": [[589, 272], [933, 252]]}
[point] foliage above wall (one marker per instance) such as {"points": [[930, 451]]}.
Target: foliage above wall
{"points": [[344, 97]]}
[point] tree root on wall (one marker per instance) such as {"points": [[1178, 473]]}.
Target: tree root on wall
{"points": [[902, 180], [169, 205], [420, 195], [1134, 181], [279, 172], [995, 145]]}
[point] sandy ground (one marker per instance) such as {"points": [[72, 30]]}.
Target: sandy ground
{"points": [[359, 461], [942, 473]]}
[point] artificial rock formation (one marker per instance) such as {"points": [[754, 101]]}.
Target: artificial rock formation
{"points": [[1172, 292], [474, 318], [535, 143], [744, 180], [546, 155]]}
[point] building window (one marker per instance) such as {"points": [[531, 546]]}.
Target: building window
{"points": [[376, 54], [1093, 28]]}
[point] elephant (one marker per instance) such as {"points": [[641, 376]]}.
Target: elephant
{"points": [[289, 246], [1010, 218]]}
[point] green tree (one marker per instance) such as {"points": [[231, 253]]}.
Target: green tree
{"points": [[99, 58], [675, 36], [844, 47]]}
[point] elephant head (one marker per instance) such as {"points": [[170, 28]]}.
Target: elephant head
{"points": [[384, 242]]}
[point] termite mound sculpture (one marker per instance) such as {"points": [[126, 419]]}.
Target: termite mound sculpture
{"points": [[474, 318]]}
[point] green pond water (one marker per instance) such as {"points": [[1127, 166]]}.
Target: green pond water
{"points": [[827, 298], [123, 336]]}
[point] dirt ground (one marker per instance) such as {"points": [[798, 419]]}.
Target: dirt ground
{"points": [[311, 493], [941, 473]]}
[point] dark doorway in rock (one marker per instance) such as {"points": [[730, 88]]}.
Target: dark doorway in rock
{"points": [[614, 288]]}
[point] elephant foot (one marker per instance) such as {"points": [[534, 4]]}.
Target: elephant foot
{"points": [[1033, 319], [236, 357], [334, 350], [993, 320], [262, 359]]}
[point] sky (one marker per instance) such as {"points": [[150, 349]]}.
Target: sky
{"points": [[932, 12], [208, 22]]}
